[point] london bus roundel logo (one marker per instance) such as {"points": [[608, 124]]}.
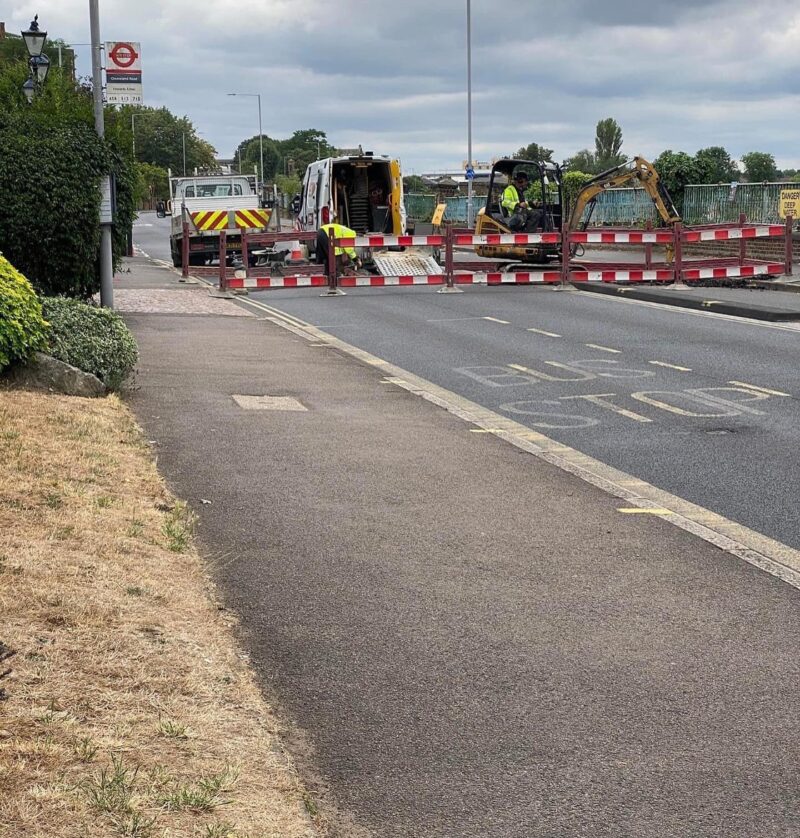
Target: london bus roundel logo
{"points": [[123, 55]]}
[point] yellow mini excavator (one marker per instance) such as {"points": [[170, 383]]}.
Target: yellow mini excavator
{"points": [[636, 169]]}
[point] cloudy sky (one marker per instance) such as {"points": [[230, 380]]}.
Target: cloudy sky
{"points": [[391, 75]]}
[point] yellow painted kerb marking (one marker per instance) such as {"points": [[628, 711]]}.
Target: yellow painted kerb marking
{"points": [[759, 389], [603, 348]]}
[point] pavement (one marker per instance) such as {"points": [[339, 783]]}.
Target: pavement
{"points": [[466, 640], [758, 303]]}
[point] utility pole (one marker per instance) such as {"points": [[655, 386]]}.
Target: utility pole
{"points": [[470, 216], [106, 219], [184, 154]]}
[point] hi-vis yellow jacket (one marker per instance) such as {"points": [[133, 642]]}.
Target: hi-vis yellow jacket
{"points": [[511, 198], [339, 231]]}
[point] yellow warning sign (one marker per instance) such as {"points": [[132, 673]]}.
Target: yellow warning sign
{"points": [[789, 203], [438, 214]]}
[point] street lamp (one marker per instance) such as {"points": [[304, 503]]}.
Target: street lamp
{"points": [[470, 217], [38, 63], [260, 132], [34, 39]]}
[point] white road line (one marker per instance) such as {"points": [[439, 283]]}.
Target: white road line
{"points": [[760, 389], [603, 348], [669, 366], [497, 320], [543, 332], [453, 319]]}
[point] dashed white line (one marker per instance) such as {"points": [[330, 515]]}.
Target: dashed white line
{"points": [[603, 348], [544, 332], [669, 366]]}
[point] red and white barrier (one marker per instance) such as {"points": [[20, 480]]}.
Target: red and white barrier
{"points": [[729, 271], [391, 241], [508, 278], [507, 238], [387, 281], [728, 233], [662, 275], [256, 283], [622, 237]]}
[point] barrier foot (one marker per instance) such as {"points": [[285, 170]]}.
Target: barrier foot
{"points": [[333, 292], [450, 289]]}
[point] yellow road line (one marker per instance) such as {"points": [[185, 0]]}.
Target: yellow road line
{"points": [[669, 366], [603, 348], [543, 332], [759, 389], [497, 320]]}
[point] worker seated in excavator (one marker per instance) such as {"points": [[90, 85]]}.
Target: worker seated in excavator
{"points": [[522, 218]]}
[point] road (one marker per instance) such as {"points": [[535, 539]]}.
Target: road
{"points": [[686, 401], [702, 406]]}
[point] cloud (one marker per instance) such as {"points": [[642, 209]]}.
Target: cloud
{"points": [[392, 76]]}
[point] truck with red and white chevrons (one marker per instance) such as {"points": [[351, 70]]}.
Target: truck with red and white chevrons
{"points": [[209, 204]]}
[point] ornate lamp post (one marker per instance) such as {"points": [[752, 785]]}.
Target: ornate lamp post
{"points": [[38, 62]]}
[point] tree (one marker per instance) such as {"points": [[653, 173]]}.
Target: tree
{"points": [[607, 144], [415, 184], [572, 183], [302, 148], [759, 167], [534, 151], [582, 161], [715, 165], [675, 170], [160, 137], [152, 183]]}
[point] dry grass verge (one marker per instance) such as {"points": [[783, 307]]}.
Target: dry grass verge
{"points": [[125, 708]]}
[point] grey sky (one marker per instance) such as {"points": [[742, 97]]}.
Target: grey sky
{"points": [[391, 76]]}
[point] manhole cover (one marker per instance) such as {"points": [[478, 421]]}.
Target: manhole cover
{"points": [[269, 403]]}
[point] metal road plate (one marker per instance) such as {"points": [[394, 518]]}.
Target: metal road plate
{"points": [[406, 264]]}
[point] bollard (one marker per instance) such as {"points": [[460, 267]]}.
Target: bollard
{"points": [[223, 260], [333, 280], [789, 254], [185, 250]]}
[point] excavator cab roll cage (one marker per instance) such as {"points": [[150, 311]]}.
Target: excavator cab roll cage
{"points": [[544, 192], [546, 175]]}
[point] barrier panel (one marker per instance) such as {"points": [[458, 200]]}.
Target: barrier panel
{"points": [[675, 266]]}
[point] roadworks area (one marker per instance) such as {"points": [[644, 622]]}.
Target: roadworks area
{"points": [[126, 707]]}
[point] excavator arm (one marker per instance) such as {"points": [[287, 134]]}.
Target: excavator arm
{"points": [[636, 169]]}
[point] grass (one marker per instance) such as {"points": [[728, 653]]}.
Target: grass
{"points": [[118, 644]]}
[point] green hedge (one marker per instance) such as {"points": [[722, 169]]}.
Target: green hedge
{"points": [[23, 329], [93, 339], [50, 170]]}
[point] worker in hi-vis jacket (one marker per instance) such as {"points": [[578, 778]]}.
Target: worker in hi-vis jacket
{"points": [[344, 255]]}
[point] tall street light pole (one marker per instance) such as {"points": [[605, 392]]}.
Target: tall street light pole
{"points": [[470, 216], [260, 132], [106, 218]]}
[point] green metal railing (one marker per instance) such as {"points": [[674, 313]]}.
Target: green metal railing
{"points": [[709, 204]]}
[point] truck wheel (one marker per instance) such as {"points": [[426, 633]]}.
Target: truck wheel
{"points": [[176, 259]]}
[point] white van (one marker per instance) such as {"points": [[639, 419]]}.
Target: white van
{"points": [[363, 192]]}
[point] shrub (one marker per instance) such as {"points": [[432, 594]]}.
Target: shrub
{"points": [[23, 329], [50, 170], [93, 339]]}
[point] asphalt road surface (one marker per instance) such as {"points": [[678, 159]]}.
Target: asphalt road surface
{"points": [[702, 406]]}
